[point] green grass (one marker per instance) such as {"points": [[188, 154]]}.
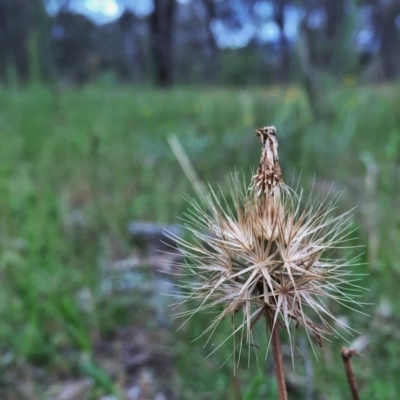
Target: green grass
{"points": [[77, 165]]}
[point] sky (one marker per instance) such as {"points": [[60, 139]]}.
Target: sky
{"points": [[103, 11]]}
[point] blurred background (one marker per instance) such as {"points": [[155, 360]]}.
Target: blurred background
{"points": [[90, 92]]}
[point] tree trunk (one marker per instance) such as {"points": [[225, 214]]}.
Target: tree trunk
{"points": [[284, 51], [384, 17], [15, 21], [334, 35], [212, 47], [161, 28], [133, 51]]}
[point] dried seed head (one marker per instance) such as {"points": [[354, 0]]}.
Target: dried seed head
{"points": [[269, 176], [267, 254]]}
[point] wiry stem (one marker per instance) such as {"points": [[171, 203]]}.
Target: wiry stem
{"points": [[277, 353], [346, 356], [236, 388], [265, 183]]}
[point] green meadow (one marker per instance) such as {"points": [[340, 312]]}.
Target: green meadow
{"points": [[78, 165]]}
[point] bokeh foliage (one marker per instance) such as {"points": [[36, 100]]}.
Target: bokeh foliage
{"points": [[78, 165]]}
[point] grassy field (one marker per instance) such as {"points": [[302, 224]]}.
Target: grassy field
{"points": [[76, 166]]}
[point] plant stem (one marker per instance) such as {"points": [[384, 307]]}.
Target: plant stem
{"points": [[346, 355], [277, 353], [236, 388]]}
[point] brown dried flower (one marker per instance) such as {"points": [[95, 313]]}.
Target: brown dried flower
{"points": [[267, 255]]}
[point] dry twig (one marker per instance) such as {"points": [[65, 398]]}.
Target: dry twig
{"points": [[346, 357]]}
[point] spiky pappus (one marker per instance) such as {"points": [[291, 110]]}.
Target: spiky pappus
{"points": [[267, 255]]}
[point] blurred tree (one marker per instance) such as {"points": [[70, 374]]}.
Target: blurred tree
{"points": [[307, 62], [198, 41], [329, 29], [279, 18], [161, 30], [15, 26], [84, 51], [24, 32], [128, 23], [385, 14], [72, 46], [335, 34], [212, 46]]}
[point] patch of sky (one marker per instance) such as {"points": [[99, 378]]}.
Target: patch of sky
{"points": [[269, 31], [365, 39], [141, 8], [365, 36], [316, 19], [263, 10], [263, 27], [102, 11], [232, 38], [293, 17], [397, 22]]}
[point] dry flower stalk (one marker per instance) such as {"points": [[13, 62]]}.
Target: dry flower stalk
{"points": [[346, 357], [266, 257]]}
